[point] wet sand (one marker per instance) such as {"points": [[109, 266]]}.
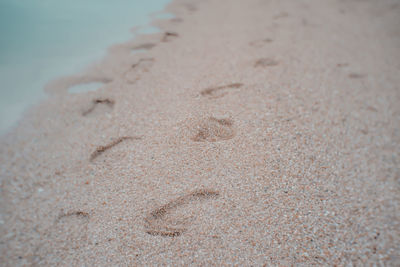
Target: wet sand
{"points": [[248, 133]]}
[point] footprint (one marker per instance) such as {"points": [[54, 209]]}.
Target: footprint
{"points": [[168, 36], [356, 75], [105, 102], [144, 62], [177, 20], [260, 43], [220, 91], [266, 62], [146, 46], [190, 7], [342, 65], [101, 149], [77, 214], [142, 48], [212, 130], [71, 227], [281, 15], [164, 221], [68, 233], [142, 65]]}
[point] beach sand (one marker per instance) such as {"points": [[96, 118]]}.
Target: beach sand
{"points": [[248, 133]]}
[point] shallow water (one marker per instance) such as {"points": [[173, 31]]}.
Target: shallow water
{"points": [[41, 40]]}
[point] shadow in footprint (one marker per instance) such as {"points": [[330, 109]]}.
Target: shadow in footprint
{"points": [[177, 20], [145, 63], [76, 214], [356, 76], [342, 65], [190, 7], [212, 130], [106, 103], [146, 46], [266, 62], [220, 91], [163, 222], [101, 149], [281, 15], [260, 43], [168, 36]]}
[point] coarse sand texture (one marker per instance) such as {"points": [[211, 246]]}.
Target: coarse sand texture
{"points": [[244, 133]]}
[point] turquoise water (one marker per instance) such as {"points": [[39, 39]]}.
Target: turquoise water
{"points": [[41, 40]]}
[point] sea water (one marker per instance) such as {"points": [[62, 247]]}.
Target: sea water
{"points": [[41, 40]]}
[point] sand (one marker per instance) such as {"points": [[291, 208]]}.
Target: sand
{"points": [[247, 133]]}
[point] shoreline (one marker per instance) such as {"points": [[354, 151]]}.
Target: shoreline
{"points": [[247, 133], [39, 60]]}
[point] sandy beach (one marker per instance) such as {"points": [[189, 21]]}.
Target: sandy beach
{"points": [[247, 133]]}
